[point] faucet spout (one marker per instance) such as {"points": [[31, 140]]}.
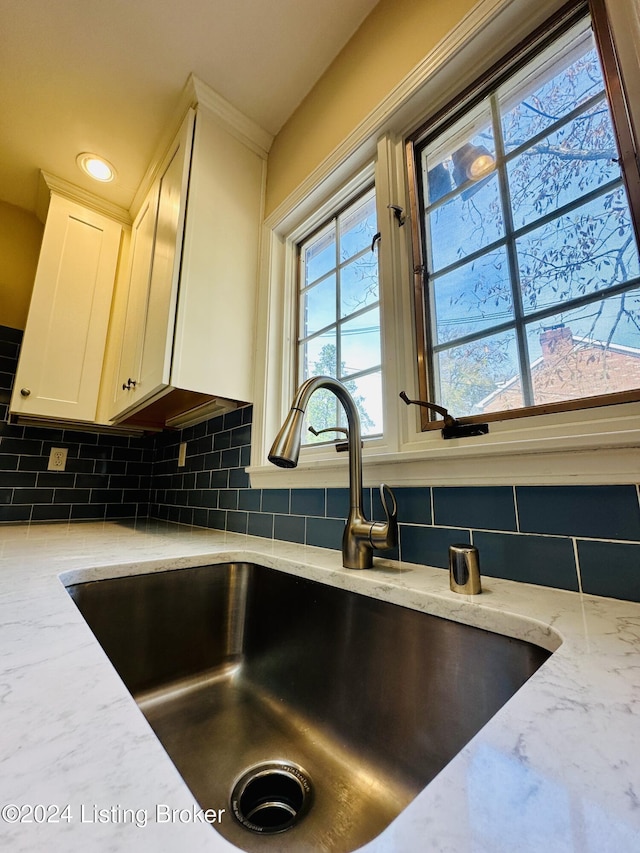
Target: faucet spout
{"points": [[357, 541]]}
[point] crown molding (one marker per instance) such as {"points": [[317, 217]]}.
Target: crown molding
{"points": [[48, 183]]}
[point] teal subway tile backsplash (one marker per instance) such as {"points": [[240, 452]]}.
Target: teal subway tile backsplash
{"points": [[526, 533], [484, 507], [610, 568], [596, 512], [430, 545], [543, 560]]}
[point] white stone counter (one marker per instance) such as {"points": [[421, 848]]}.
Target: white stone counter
{"points": [[557, 769]]}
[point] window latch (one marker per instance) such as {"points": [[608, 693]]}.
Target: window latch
{"points": [[398, 212], [453, 428], [340, 446]]}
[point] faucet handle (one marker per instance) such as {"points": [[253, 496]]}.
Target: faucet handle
{"points": [[384, 535]]}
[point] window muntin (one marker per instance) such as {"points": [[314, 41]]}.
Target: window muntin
{"points": [[339, 316], [531, 265]]}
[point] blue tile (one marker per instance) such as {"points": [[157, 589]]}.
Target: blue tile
{"points": [[429, 545], [611, 569], [71, 496], [33, 496], [88, 511], [325, 532], [50, 512], [337, 503], [221, 440], [275, 500], [228, 499], [290, 528], [230, 458], [217, 519], [485, 507], [307, 502], [15, 513], [541, 560], [592, 512], [210, 498], [249, 499], [203, 479], [201, 517], [215, 424], [260, 524], [241, 436], [233, 419], [237, 521], [220, 479], [414, 504], [238, 478]]}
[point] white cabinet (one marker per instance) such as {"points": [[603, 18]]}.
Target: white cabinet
{"points": [[147, 340], [62, 352], [188, 337]]}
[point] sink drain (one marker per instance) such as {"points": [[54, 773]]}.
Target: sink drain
{"points": [[271, 797]]}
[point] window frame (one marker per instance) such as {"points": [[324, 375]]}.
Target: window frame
{"points": [[466, 101], [333, 219], [589, 446]]}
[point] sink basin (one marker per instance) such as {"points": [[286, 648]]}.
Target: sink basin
{"points": [[312, 715]]}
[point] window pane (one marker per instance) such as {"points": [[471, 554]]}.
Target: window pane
{"points": [[565, 243], [318, 356], [322, 413], [319, 256], [588, 250], [471, 373], [367, 394], [577, 158], [589, 351], [358, 227], [359, 284], [552, 86], [473, 297], [360, 343], [331, 341], [318, 306], [465, 224]]}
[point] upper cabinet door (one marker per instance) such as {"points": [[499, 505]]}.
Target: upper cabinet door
{"points": [[137, 296], [63, 347], [165, 268]]}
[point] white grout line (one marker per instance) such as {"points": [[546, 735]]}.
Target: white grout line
{"points": [[577, 562], [515, 504]]}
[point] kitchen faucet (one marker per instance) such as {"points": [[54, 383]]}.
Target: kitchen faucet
{"points": [[360, 535]]}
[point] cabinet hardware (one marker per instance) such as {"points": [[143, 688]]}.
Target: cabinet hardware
{"points": [[25, 392]]}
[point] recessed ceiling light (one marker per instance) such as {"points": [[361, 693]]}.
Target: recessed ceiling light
{"points": [[96, 167]]}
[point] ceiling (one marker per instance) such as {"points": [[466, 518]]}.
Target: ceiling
{"points": [[106, 77]]}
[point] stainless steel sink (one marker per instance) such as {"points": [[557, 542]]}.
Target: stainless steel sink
{"points": [[341, 707]]}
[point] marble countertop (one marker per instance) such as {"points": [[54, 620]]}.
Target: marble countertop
{"points": [[557, 769]]}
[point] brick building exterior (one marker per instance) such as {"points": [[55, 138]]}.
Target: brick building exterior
{"points": [[570, 368]]}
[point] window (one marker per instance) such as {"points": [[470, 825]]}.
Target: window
{"points": [[339, 316], [529, 291]]}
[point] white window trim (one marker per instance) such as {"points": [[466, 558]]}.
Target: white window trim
{"points": [[584, 447]]}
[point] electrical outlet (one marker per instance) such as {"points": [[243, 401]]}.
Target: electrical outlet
{"points": [[57, 459], [182, 454]]}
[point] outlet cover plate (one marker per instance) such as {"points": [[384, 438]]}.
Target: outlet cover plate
{"points": [[57, 459]]}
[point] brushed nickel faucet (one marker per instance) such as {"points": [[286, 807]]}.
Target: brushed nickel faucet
{"points": [[360, 535]]}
